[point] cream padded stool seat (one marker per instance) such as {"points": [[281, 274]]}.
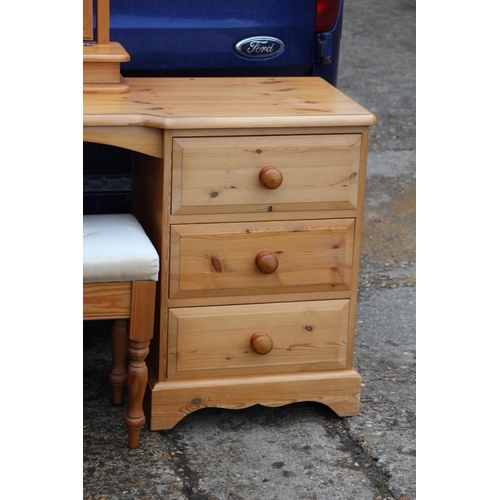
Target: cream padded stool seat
{"points": [[120, 271], [116, 248]]}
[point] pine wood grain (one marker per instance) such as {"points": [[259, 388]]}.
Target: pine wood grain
{"points": [[88, 21], [102, 21], [222, 175], [171, 401], [216, 341], [106, 300], [219, 259], [140, 139], [195, 103]]}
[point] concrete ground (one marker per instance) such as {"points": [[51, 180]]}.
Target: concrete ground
{"points": [[304, 451]]}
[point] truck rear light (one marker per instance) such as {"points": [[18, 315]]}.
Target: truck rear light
{"points": [[327, 13]]}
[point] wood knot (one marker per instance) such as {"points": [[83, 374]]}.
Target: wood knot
{"points": [[216, 264]]}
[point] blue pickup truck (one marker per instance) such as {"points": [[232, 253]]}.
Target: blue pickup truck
{"points": [[210, 38]]}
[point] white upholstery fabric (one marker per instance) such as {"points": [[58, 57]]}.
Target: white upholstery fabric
{"points": [[116, 248]]}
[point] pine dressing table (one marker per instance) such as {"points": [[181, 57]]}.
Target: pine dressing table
{"points": [[251, 190]]}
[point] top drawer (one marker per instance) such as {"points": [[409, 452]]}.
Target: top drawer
{"points": [[265, 173]]}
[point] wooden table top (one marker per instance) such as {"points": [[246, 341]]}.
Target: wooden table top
{"points": [[189, 103]]}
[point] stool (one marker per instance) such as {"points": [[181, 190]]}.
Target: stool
{"points": [[120, 270]]}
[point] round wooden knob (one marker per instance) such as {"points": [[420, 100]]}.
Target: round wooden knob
{"points": [[261, 343], [267, 262], [270, 177]]}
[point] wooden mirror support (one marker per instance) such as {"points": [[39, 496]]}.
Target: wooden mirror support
{"points": [[101, 57]]}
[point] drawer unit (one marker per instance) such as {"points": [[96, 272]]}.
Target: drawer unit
{"points": [[261, 257], [262, 174], [252, 190], [257, 338]]}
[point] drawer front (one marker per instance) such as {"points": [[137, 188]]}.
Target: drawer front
{"points": [[217, 341], [262, 174], [215, 260]]}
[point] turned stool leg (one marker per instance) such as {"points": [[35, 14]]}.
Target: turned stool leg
{"points": [[119, 344], [137, 377]]}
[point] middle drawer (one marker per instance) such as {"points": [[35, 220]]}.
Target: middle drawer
{"points": [[216, 260]]}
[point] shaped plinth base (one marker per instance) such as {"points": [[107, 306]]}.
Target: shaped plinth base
{"points": [[169, 402]]}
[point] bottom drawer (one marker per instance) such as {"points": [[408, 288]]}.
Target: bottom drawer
{"points": [[225, 340]]}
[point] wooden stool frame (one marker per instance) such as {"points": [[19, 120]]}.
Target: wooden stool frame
{"points": [[131, 305]]}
